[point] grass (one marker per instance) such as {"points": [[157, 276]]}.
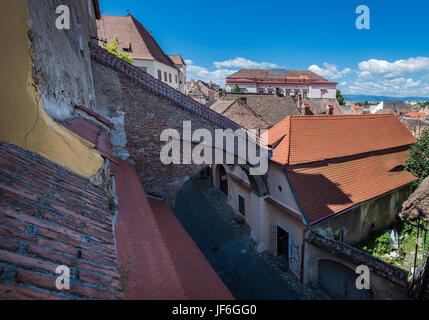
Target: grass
{"points": [[125, 269], [378, 245]]}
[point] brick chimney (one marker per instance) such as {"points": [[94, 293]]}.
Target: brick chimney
{"points": [[331, 109], [307, 110]]}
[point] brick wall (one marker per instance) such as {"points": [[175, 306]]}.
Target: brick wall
{"points": [[144, 116], [141, 108]]}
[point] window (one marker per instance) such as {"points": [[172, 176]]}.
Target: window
{"points": [[165, 77], [176, 78], [169, 77], [339, 235], [159, 75], [242, 205]]}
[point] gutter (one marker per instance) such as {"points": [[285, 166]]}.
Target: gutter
{"points": [[301, 272]]}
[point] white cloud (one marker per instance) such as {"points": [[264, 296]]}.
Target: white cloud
{"points": [[201, 73], [374, 68], [189, 62], [329, 71], [244, 63], [396, 87]]}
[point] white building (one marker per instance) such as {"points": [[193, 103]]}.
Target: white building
{"points": [[181, 65], [305, 83], [142, 46]]}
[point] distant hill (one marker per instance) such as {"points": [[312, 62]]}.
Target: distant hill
{"points": [[362, 98]]}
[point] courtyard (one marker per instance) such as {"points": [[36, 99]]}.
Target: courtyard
{"points": [[206, 216]]}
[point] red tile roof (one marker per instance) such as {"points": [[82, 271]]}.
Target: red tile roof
{"points": [[272, 75], [304, 139], [132, 32], [199, 280], [168, 263], [93, 134], [327, 188], [336, 162], [50, 217], [416, 115], [177, 60]]}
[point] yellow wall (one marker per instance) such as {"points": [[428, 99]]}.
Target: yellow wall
{"points": [[23, 120]]}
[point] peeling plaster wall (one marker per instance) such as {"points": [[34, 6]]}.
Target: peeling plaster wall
{"points": [[141, 116], [24, 121], [382, 288], [61, 70], [360, 222]]}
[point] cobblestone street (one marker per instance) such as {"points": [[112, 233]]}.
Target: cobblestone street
{"points": [[205, 214]]}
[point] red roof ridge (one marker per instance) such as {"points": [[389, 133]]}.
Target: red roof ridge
{"points": [[306, 139]]}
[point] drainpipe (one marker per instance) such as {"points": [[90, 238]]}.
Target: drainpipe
{"points": [[301, 273]]}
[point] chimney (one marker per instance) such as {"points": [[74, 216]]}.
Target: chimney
{"points": [[243, 100], [331, 109], [307, 110]]}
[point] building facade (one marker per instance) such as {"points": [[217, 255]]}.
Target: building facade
{"points": [[324, 179], [302, 83], [142, 46]]}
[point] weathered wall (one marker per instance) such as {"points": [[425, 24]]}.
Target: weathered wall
{"points": [[386, 282], [145, 116], [360, 222], [61, 70], [24, 121]]}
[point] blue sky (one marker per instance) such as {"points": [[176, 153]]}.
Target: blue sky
{"points": [[219, 37]]}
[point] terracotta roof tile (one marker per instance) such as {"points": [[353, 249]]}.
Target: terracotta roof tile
{"points": [[132, 32], [198, 277], [168, 264], [94, 135], [336, 162], [177, 60], [316, 138], [50, 217], [416, 115], [269, 75], [330, 187]]}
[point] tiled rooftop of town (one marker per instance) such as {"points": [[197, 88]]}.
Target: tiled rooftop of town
{"points": [[336, 162]]}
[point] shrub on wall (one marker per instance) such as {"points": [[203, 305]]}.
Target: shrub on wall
{"points": [[112, 48]]}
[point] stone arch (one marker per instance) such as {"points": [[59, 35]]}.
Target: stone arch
{"points": [[336, 277]]}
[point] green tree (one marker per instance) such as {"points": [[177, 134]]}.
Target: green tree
{"points": [[340, 97], [418, 164], [235, 89], [113, 46]]}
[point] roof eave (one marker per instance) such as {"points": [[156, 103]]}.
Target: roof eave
{"points": [[97, 9]]}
